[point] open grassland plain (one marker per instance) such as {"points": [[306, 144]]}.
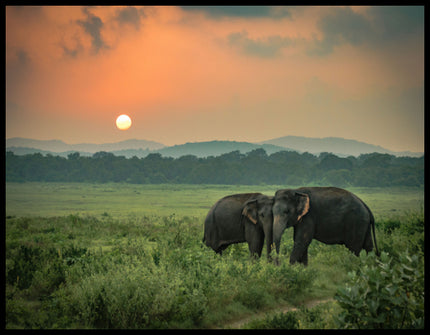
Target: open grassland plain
{"points": [[125, 200], [131, 256]]}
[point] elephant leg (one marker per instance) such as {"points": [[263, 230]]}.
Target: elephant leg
{"points": [[299, 253], [304, 259], [255, 238], [368, 244], [268, 235], [221, 249], [302, 239]]}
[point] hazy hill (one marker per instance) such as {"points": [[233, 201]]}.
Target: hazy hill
{"points": [[29, 151], [141, 148], [215, 148], [57, 146], [138, 148], [335, 145]]}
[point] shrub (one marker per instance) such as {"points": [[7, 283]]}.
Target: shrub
{"points": [[254, 296], [404, 232], [286, 320], [136, 297], [318, 317], [291, 280], [383, 293], [414, 222], [389, 225], [410, 223]]}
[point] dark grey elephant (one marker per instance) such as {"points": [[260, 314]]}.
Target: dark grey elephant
{"points": [[328, 214], [237, 218]]}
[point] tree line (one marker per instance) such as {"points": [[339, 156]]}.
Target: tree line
{"points": [[253, 168]]}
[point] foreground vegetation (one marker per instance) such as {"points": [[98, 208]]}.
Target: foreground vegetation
{"points": [[102, 270]]}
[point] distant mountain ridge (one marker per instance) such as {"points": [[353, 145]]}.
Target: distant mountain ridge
{"points": [[60, 146], [141, 148], [336, 145], [198, 149], [216, 148]]}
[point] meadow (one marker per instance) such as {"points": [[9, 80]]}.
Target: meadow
{"points": [[121, 200], [115, 255]]}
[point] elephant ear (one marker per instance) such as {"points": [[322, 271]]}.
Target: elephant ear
{"points": [[250, 210], [302, 205]]}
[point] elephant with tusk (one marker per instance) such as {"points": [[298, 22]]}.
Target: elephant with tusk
{"points": [[328, 214]]}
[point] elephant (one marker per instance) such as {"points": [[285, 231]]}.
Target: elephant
{"points": [[245, 217], [328, 214]]}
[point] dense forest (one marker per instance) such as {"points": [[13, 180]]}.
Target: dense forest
{"points": [[254, 168]]}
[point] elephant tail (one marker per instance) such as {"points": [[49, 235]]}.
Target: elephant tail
{"points": [[372, 223]]}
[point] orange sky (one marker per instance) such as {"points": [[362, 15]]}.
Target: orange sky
{"points": [[216, 73]]}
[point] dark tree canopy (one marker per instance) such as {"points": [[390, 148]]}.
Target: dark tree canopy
{"points": [[253, 168]]}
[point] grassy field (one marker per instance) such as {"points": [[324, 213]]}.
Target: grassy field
{"points": [[131, 256], [128, 200]]}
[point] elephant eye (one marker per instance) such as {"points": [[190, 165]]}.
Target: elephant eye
{"points": [[262, 215]]}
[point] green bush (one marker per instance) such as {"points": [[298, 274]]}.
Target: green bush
{"points": [[287, 320], [155, 272], [414, 222], [20, 270], [409, 223], [384, 293], [402, 232], [135, 297], [290, 280], [321, 316], [389, 225], [254, 296]]}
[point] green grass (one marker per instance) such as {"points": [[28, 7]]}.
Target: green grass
{"points": [[130, 256], [128, 200], [117, 200]]}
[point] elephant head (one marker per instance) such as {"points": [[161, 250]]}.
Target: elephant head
{"points": [[288, 209], [259, 212]]}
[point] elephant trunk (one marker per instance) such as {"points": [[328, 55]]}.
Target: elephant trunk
{"points": [[278, 229], [268, 234]]}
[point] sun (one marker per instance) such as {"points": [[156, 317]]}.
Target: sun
{"points": [[123, 122]]}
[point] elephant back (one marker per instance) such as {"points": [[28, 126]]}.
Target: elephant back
{"points": [[223, 223]]}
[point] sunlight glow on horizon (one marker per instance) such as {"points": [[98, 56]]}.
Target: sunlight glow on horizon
{"points": [[211, 73]]}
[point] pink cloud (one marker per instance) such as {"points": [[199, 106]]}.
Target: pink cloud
{"points": [[166, 64]]}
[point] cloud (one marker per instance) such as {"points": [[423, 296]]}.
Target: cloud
{"points": [[17, 69], [130, 15], [22, 57], [93, 25], [241, 11], [376, 26], [70, 52], [392, 22], [72, 46], [265, 48], [57, 69], [340, 26]]}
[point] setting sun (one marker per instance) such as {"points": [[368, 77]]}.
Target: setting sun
{"points": [[123, 122]]}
